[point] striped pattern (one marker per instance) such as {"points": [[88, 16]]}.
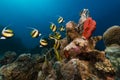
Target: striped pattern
{"points": [[43, 42], [34, 33], [60, 20], [7, 33], [53, 27]]}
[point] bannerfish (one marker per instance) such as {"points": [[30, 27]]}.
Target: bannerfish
{"points": [[6, 33], [43, 42], [55, 35], [60, 19], [53, 27], [62, 28], [34, 33]]}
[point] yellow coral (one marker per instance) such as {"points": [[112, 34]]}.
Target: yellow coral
{"points": [[105, 66]]}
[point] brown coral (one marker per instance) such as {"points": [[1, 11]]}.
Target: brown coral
{"points": [[112, 36]]}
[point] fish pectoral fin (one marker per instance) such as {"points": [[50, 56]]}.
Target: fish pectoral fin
{"points": [[2, 37], [41, 46], [40, 34]]}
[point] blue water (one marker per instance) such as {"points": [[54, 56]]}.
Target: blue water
{"points": [[20, 14]]}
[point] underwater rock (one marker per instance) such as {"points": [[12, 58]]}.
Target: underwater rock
{"points": [[38, 58], [47, 72], [77, 69], [87, 56], [106, 66], [51, 76], [81, 45], [23, 68], [69, 70], [77, 46], [112, 36], [113, 53], [8, 58], [93, 41], [82, 51], [24, 57], [63, 43], [6, 70], [10, 54], [111, 39]]}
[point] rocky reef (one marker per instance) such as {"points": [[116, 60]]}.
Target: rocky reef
{"points": [[88, 64], [34, 67], [79, 58], [112, 41], [23, 68]]}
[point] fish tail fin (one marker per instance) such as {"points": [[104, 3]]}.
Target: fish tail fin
{"points": [[40, 34], [40, 46], [2, 37]]}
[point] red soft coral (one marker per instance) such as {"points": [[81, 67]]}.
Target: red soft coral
{"points": [[88, 27]]}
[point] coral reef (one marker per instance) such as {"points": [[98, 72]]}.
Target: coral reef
{"points": [[23, 68], [80, 67], [79, 58], [8, 58], [112, 36], [112, 40], [105, 66]]}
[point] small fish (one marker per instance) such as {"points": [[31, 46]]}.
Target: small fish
{"points": [[43, 42], [60, 19], [51, 36], [7, 33], [53, 27], [62, 28], [34, 33], [55, 35]]}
